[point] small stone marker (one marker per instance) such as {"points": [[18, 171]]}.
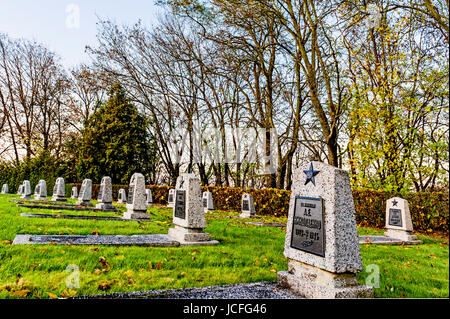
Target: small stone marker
{"points": [[188, 215], [247, 206], [5, 189], [74, 193], [105, 196], [137, 199], [321, 236], [40, 192], [171, 198], [207, 202], [84, 199], [398, 220], [149, 197], [59, 191], [26, 190], [19, 190], [122, 197]]}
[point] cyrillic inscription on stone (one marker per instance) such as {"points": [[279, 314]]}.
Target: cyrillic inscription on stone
{"points": [[205, 202], [395, 217], [307, 229], [99, 197], [180, 204], [130, 194]]}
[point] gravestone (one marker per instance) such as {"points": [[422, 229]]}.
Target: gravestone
{"points": [[19, 190], [398, 220], [122, 197], [321, 236], [40, 192], [74, 193], [26, 190], [188, 215], [247, 206], [59, 191], [171, 198], [137, 199], [5, 189], [105, 195], [84, 199], [207, 202], [149, 197]]}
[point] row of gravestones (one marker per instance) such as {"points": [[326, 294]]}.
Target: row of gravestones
{"points": [[398, 217], [321, 237]]}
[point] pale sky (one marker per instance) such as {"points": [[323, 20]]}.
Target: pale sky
{"points": [[67, 26]]}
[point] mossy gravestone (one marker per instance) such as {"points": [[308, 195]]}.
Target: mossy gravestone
{"points": [[148, 192], [247, 206], [26, 194], [59, 191], [171, 198], [321, 236], [84, 199], [137, 199], [207, 202], [74, 193], [40, 192], [105, 195], [188, 215], [122, 197]]}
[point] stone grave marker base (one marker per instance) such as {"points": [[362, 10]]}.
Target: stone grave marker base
{"points": [[153, 240], [386, 240], [106, 207], [247, 215], [136, 215], [312, 282], [191, 236]]}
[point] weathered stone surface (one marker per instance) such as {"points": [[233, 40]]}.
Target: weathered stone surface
{"points": [[188, 215], [84, 199], [247, 206], [322, 245], [207, 202], [314, 283], [59, 191], [105, 196], [259, 290], [122, 197], [153, 240], [5, 189], [74, 193], [26, 193], [171, 198], [20, 190], [40, 192], [137, 198], [398, 220]]}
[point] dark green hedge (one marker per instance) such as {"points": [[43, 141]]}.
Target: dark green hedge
{"points": [[429, 210]]}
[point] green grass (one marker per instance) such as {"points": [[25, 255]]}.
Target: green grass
{"points": [[246, 253]]}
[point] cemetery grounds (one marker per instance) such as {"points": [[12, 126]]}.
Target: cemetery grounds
{"points": [[246, 253]]}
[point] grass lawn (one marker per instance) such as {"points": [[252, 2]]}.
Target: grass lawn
{"points": [[247, 253]]}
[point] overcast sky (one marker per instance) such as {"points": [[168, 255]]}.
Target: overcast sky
{"points": [[65, 26]]}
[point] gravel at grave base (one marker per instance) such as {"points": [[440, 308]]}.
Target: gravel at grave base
{"points": [[260, 290]]}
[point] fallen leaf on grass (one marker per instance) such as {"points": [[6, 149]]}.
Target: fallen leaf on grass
{"points": [[68, 293], [104, 262], [21, 293], [51, 295]]}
